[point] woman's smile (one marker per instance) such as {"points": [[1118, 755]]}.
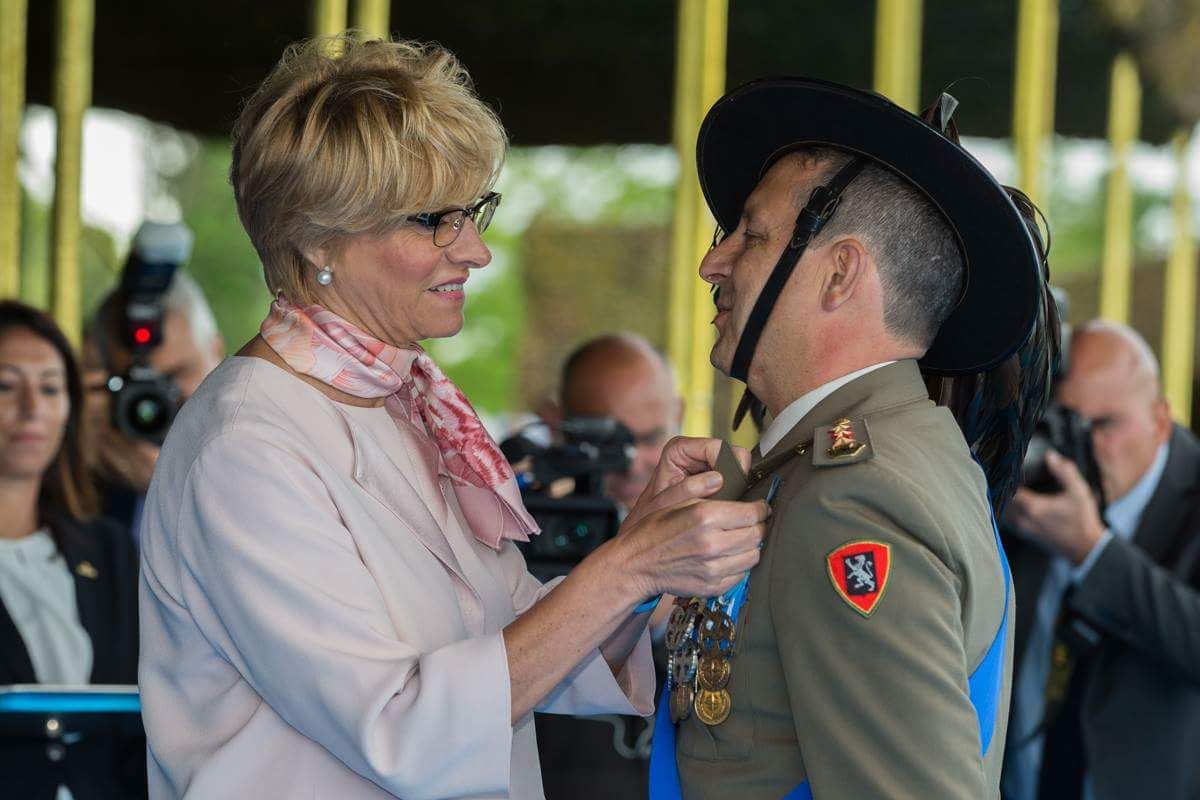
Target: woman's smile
{"points": [[451, 290]]}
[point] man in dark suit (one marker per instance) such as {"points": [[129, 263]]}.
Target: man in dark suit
{"points": [[1106, 701]]}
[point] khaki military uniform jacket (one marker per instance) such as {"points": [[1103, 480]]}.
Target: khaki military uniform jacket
{"points": [[853, 684]]}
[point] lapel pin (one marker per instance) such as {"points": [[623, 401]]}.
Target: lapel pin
{"points": [[84, 569]]}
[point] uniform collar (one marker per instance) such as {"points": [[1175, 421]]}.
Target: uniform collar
{"points": [[795, 410], [895, 384]]}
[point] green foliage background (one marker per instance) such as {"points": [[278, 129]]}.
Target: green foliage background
{"points": [[563, 222]]}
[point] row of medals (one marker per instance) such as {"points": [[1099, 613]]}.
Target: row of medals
{"points": [[699, 644]]}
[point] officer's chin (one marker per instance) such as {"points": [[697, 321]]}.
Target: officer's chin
{"points": [[721, 360]]}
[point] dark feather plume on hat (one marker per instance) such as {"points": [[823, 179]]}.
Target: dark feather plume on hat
{"points": [[998, 410]]}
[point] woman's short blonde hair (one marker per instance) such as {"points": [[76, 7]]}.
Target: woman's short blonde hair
{"points": [[347, 137]]}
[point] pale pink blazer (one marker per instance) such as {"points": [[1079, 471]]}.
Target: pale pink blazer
{"points": [[316, 622]]}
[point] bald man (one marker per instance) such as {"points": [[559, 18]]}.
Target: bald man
{"points": [[622, 376], [1107, 689]]}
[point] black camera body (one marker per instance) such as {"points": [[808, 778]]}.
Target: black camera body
{"points": [[1066, 432], [1061, 429], [144, 401], [562, 486]]}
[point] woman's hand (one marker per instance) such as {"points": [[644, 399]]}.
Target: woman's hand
{"points": [[685, 471], [673, 541], [694, 548]]}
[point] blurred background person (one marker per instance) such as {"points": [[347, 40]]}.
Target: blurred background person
{"points": [[68, 580], [622, 376], [1107, 686], [191, 346]]}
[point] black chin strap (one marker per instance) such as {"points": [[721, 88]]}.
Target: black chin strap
{"points": [[821, 205]]}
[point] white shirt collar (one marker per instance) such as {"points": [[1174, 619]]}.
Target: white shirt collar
{"points": [[1124, 514], [795, 411]]}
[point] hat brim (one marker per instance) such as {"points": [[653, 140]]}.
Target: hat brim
{"points": [[751, 125]]}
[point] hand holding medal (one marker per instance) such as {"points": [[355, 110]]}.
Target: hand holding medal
{"points": [[679, 538], [700, 639]]}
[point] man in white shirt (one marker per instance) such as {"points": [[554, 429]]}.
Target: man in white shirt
{"points": [[1107, 690]]}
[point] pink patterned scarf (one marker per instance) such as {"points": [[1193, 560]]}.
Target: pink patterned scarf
{"points": [[318, 343]]}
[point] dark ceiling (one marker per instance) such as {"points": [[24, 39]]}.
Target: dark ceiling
{"points": [[583, 72]]}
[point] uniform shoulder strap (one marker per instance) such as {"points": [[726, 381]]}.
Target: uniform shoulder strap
{"points": [[844, 442]]}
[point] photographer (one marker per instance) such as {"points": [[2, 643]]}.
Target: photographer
{"points": [[189, 347], [621, 376], [1107, 687]]}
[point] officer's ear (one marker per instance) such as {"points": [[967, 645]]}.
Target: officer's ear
{"points": [[846, 273]]}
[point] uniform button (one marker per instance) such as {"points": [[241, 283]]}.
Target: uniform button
{"points": [[53, 727], [56, 752], [758, 476]]}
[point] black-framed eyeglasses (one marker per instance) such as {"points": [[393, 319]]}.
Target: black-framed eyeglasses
{"points": [[448, 223]]}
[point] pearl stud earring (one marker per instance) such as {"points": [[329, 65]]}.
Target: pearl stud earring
{"points": [[325, 276]]}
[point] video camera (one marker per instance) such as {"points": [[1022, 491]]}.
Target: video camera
{"points": [[1061, 429], [562, 486], [144, 401]]}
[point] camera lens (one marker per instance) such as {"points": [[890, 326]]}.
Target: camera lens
{"points": [[148, 414], [145, 406]]}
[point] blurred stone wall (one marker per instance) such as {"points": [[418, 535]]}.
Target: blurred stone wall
{"points": [[583, 281], [1083, 289]]}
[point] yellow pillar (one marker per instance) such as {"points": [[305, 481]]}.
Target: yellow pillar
{"points": [[72, 95], [898, 51], [12, 104], [1179, 296], [1033, 95], [371, 18], [329, 17], [699, 82], [1124, 118]]}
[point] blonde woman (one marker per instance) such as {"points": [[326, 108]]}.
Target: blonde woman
{"points": [[332, 604]]}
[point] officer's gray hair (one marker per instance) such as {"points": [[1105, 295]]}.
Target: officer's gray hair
{"points": [[920, 264], [185, 297]]}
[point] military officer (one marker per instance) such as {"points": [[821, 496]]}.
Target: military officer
{"points": [[868, 654]]}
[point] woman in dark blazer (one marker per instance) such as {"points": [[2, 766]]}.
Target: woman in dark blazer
{"points": [[68, 581]]}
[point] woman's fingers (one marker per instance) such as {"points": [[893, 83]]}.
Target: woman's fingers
{"points": [[690, 488], [740, 540], [714, 576], [732, 568], [688, 547], [728, 515], [693, 487], [723, 514], [690, 454]]}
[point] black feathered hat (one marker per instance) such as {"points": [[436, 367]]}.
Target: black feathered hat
{"points": [[751, 126]]}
